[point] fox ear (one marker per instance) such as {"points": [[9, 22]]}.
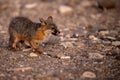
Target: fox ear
{"points": [[42, 21], [50, 18]]}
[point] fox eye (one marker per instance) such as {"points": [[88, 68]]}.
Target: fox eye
{"points": [[52, 28]]}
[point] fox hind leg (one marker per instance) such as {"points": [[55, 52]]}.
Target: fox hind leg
{"points": [[13, 42]]}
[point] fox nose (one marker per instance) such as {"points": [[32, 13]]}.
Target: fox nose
{"points": [[59, 32]]}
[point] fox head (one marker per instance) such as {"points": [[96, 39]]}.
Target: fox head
{"points": [[50, 25]]}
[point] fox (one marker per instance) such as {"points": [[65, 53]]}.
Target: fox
{"points": [[22, 29]]}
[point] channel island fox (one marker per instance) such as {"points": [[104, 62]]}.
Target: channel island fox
{"points": [[23, 29]]}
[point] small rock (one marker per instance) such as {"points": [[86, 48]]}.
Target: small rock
{"points": [[95, 56], [113, 52], [45, 53], [89, 26], [28, 49], [2, 75], [65, 57], [66, 29], [68, 36], [71, 2], [75, 35], [106, 42], [111, 38], [96, 16], [65, 62], [88, 74], [3, 31], [33, 54], [114, 32], [107, 38], [95, 27], [67, 44], [73, 39], [86, 3], [4, 4], [14, 78], [80, 45], [29, 6], [116, 43], [23, 69], [65, 9], [62, 38], [92, 37], [104, 32]]}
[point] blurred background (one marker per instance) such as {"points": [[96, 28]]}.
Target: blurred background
{"points": [[87, 26]]}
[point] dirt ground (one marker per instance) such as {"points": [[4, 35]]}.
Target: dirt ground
{"points": [[87, 49]]}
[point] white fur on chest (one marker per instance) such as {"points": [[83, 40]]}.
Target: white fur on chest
{"points": [[47, 35]]}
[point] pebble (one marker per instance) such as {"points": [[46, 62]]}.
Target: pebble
{"points": [[104, 32], [45, 53], [95, 56], [96, 16], [65, 9], [73, 39], [114, 32], [116, 43], [93, 37], [33, 54], [95, 27], [113, 52], [62, 38], [3, 32], [111, 38], [88, 74], [2, 75], [3, 4], [68, 36], [80, 45], [75, 35], [85, 3], [65, 57], [67, 44], [29, 6], [106, 42], [71, 2], [108, 38], [28, 49], [66, 29], [14, 78]]}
